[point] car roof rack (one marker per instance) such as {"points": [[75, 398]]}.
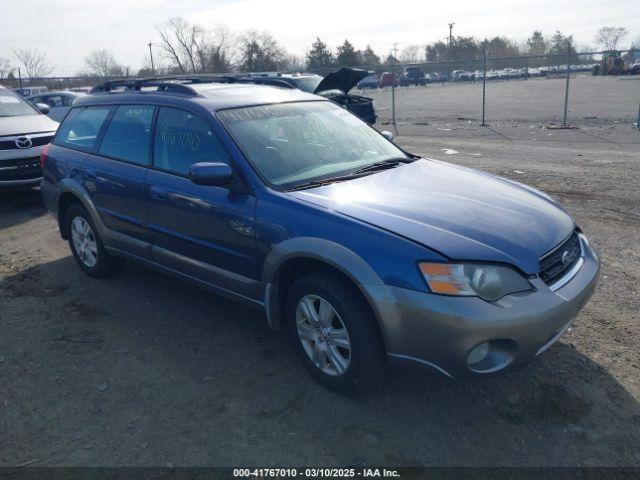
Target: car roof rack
{"points": [[169, 84]]}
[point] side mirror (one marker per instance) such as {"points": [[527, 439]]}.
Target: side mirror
{"points": [[388, 135], [214, 174], [43, 107]]}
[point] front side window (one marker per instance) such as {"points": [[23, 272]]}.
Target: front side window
{"points": [[81, 127], [182, 139], [11, 105], [294, 143], [68, 100], [127, 136]]}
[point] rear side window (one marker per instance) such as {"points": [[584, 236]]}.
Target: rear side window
{"points": [[81, 127], [127, 136], [182, 139]]}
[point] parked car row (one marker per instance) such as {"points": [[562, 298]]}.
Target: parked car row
{"points": [[415, 76]]}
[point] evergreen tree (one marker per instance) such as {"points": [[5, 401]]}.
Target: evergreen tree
{"points": [[319, 56], [369, 57], [347, 55]]}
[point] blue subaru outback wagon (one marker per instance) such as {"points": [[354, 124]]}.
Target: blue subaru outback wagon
{"points": [[364, 253]]}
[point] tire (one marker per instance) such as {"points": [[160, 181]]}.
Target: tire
{"points": [[366, 359], [86, 245]]}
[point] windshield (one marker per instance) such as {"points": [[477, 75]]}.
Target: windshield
{"points": [[295, 143], [13, 106], [308, 84]]}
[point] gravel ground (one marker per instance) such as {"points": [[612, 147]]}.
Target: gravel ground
{"points": [[592, 101], [141, 369]]}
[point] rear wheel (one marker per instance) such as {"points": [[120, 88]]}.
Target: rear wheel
{"points": [[86, 245], [335, 333]]}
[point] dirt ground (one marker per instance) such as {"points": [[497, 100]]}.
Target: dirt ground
{"points": [[141, 369]]}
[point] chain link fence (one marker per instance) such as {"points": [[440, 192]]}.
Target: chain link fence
{"points": [[594, 88], [579, 88]]}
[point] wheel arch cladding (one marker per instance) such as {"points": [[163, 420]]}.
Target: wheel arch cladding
{"points": [[70, 192], [295, 257]]}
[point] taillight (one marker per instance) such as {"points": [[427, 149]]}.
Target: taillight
{"points": [[43, 155]]}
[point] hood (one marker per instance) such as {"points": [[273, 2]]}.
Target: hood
{"points": [[26, 124], [344, 80], [458, 212]]}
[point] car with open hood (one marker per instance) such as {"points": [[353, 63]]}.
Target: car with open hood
{"points": [[365, 254], [335, 86]]}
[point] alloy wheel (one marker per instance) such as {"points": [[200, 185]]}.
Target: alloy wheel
{"points": [[323, 335], [84, 242]]}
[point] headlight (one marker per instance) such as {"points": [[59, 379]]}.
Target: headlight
{"points": [[489, 282]]}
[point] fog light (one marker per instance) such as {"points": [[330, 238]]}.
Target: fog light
{"points": [[478, 354]]}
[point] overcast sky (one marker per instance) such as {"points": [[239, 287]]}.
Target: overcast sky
{"points": [[69, 29]]}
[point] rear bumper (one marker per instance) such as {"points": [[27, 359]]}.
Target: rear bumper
{"points": [[49, 195], [439, 331]]}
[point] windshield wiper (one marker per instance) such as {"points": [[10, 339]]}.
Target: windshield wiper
{"points": [[383, 164], [326, 181]]}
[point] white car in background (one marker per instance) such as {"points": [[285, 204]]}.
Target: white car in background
{"points": [[24, 130], [59, 103]]}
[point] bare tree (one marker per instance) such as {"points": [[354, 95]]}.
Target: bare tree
{"points": [[189, 48], [609, 37], [35, 62], [182, 44], [6, 68], [102, 63], [293, 62], [261, 52], [410, 54]]}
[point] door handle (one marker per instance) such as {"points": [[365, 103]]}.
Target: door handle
{"points": [[158, 193]]}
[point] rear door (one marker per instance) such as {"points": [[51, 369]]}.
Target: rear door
{"points": [[115, 142], [205, 232], [117, 175]]}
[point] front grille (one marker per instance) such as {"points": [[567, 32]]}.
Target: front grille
{"points": [[20, 169], [560, 260], [35, 142]]}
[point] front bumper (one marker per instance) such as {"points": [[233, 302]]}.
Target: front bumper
{"points": [[20, 168], [439, 331]]}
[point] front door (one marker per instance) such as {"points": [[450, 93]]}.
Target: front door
{"points": [[205, 232]]}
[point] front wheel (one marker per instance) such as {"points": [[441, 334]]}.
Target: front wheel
{"points": [[335, 333], [86, 245]]}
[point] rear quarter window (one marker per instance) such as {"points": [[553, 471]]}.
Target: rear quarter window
{"points": [[81, 127]]}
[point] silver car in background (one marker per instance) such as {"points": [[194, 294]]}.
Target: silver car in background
{"points": [[59, 103], [24, 130]]}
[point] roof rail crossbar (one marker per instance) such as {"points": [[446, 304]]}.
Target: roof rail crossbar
{"points": [[139, 84], [169, 83]]}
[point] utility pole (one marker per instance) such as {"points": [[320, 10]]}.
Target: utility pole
{"points": [[153, 68], [566, 90], [484, 77], [20, 80], [395, 50], [451, 33]]}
